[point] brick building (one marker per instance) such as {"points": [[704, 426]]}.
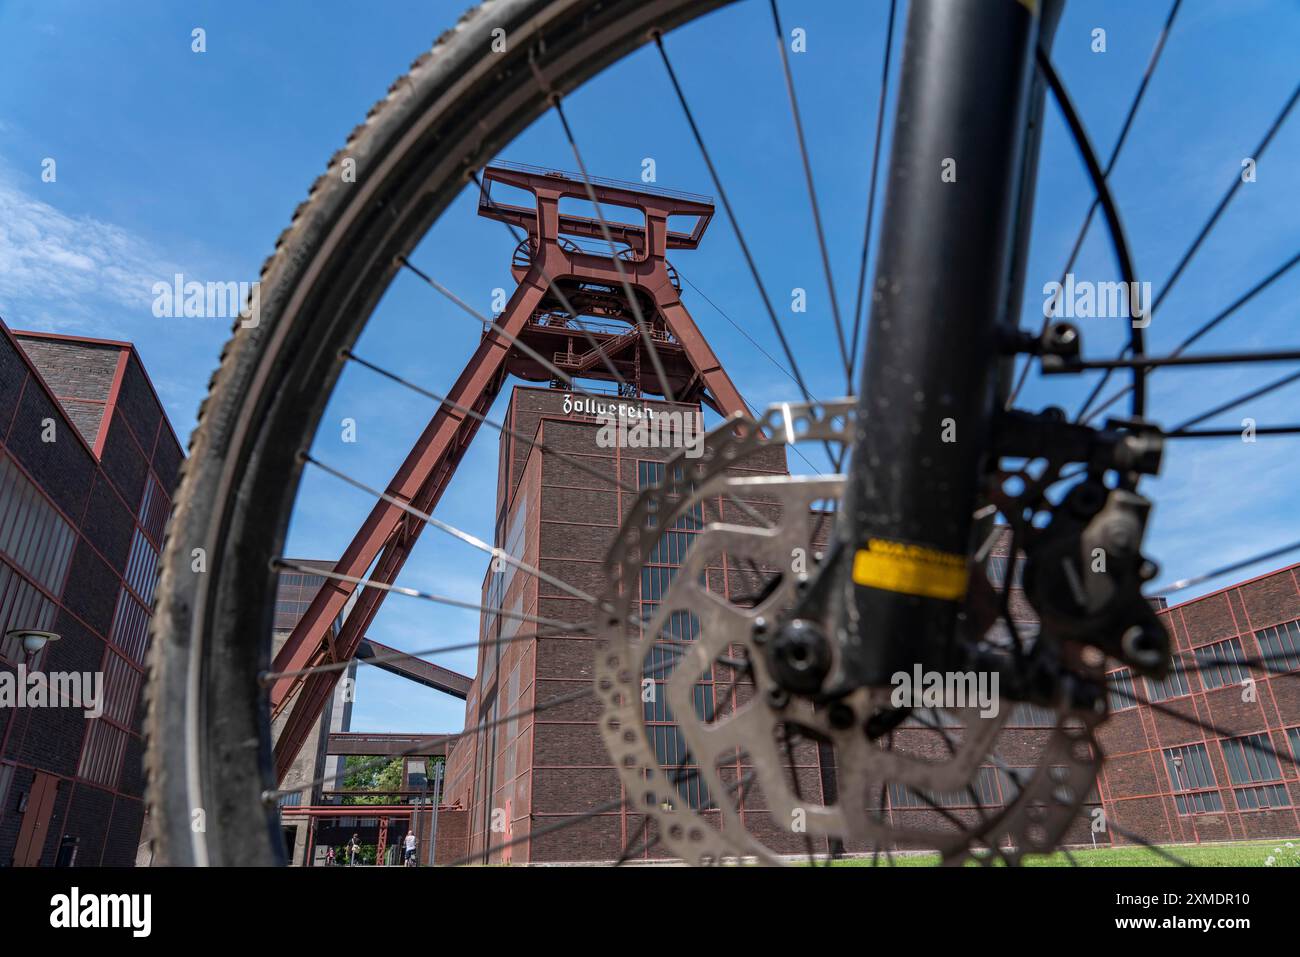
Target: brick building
{"points": [[87, 465], [1164, 780], [1171, 781], [538, 769], [313, 816], [313, 769]]}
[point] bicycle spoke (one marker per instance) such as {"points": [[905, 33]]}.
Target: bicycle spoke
{"points": [[1240, 400], [1200, 238], [1226, 569], [1119, 239], [739, 328], [1209, 324], [281, 563], [479, 416], [542, 831], [497, 329], [531, 443], [1110, 165], [1232, 433], [466, 537], [871, 191], [731, 217], [1146, 362], [812, 196], [632, 299], [1261, 664], [268, 678]]}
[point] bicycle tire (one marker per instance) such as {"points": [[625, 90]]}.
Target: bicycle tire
{"points": [[208, 739]]}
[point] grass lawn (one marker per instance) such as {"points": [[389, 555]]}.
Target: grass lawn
{"points": [[1237, 854]]}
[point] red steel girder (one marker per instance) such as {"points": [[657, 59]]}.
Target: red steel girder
{"points": [[386, 537]]}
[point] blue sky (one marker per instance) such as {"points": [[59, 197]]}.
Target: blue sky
{"points": [[171, 161]]}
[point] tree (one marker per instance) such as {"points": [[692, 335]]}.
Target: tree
{"points": [[384, 780]]}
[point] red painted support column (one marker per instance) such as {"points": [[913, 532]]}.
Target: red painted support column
{"points": [[381, 546]]}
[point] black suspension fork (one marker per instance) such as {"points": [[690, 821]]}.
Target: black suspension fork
{"points": [[958, 201]]}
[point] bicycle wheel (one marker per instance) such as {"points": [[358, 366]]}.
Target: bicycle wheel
{"points": [[213, 779], [210, 763]]}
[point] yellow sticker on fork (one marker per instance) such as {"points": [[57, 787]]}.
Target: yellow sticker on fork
{"points": [[910, 570]]}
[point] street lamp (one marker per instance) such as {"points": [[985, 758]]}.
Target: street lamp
{"points": [[33, 641]]}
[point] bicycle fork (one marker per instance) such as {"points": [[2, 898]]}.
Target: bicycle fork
{"points": [[958, 192]]}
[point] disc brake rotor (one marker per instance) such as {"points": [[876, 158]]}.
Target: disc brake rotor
{"points": [[740, 760]]}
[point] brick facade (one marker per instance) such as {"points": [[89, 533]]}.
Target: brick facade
{"points": [[1137, 781], [84, 445], [534, 771]]}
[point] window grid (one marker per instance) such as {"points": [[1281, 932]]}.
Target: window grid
{"points": [[996, 570], [1025, 715], [657, 576], [1280, 647], [1221, 663], [1251, 759], [1173, 685], [22, 605], [1262, 797], [1192, 779], [121, 689], [1121, 692], [142, 567], [985, 786], [32, 532], [131, 626], [154, 509], [101, 759]]}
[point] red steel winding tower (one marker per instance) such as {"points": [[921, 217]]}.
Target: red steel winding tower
{"points": [[565, 258]]}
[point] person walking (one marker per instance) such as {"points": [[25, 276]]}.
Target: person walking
{"points": [[354, 848], [409, 844]]}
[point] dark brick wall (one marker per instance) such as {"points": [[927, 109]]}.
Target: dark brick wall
{"points": [[136, 403], [99, 499], [91, 593], [64, 468], [123, 462], [451, 843], [122, 838], [108, 523], [89, 816], [13, 377]]}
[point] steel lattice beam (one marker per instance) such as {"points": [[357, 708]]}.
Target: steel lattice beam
{"points": [[593, 283]]}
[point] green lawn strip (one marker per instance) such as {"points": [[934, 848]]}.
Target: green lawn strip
{"points": [[1237, 854]]}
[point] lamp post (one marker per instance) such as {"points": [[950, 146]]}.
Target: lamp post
{"points": [[33, 641]]}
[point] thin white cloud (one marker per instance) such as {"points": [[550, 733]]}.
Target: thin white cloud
{"points": [[63, 269]]}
